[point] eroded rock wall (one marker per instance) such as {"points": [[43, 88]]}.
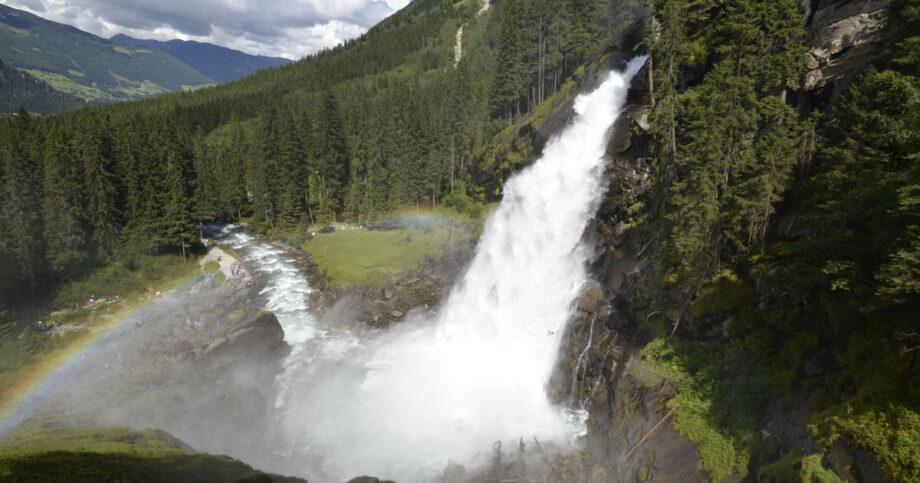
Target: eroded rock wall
{"points": [[629, 425]]}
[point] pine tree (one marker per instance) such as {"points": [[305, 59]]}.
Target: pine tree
{"points": [[291, 173], [21, 209], [334, 160], [263, 169], [510, 76], [94, 151], [178, 227], [65, 227]]}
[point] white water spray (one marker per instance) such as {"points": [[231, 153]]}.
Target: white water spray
{"points": [[404, 403]]}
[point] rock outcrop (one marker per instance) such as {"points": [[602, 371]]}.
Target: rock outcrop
{"points": [[262, 337], [844, 36]]}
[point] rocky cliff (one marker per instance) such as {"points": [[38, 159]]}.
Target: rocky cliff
{"points": [[600, 369]]}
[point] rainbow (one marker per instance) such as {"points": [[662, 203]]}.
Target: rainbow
{"points": [[32, 382]]}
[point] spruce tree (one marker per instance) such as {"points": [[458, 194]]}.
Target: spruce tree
{"points": [[65, 227], [334, 159], [94, 151], [178, 227], [21, 208]]}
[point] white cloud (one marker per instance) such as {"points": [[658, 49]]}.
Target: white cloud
{"points": [[286, 28]]}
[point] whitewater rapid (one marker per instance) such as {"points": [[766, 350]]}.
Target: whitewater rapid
{"points": [[404, 403]]}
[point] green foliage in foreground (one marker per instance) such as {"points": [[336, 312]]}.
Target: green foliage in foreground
{"points": [[92, 455], [892, 433], [720, 399], [792, 467]]}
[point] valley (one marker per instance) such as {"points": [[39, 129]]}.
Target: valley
{"points": [[516, 240]]}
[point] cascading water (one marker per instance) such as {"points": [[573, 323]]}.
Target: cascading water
{"points": [[404, 403], [401, 403]]}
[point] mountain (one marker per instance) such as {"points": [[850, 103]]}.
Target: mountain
{"points": [[88, 67], [216, 62], [22, 90], [758, 272]]}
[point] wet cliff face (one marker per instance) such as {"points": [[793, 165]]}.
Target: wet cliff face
{"points": [[844, 37], [599, 369]]}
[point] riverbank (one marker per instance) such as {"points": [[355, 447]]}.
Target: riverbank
{"points": [[386, 268], [87, 309]]}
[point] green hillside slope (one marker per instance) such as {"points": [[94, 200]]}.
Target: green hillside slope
{"points": [[86, 66], [22, 90], [115, 454]]}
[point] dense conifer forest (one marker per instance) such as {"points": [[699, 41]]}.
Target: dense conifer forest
{"points": [[784, 234], [388, 120], [786, 237]]}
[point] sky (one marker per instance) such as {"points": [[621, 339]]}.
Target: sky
{"points": [[279, 28]]}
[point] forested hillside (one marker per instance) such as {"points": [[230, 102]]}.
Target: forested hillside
{"points": [[387, 120], [785, 242], [22, 90]]}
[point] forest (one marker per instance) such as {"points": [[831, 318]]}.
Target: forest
{"points": [[388, 120], [783, 234]]}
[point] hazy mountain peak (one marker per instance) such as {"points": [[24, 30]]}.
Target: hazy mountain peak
{"points": [[219, 63]]}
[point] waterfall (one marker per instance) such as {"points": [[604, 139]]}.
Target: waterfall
{"points": [[405, 402]]}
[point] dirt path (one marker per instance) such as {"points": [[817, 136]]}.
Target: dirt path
{"points": [[229, 265]]}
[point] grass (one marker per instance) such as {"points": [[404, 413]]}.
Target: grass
{"points": [[723, 384], [891, 433], [363, 257], [47, 453], [26, 355], [796, 467], [723, 431], [66, 85], [124, 278]]}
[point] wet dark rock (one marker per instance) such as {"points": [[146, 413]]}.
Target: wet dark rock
{"points": [[454, 473], [262, 336], [368, 479], [854, 464]]}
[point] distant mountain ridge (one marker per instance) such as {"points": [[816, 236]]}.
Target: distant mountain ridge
{"points": [[50, 67], [221, 64], [86, 66]]}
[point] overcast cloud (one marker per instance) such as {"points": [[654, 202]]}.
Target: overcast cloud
{"points": [[280, 28]]}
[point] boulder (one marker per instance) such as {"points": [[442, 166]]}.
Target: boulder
{"points": [[262, 336], [844, 37], [592, 296]]}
